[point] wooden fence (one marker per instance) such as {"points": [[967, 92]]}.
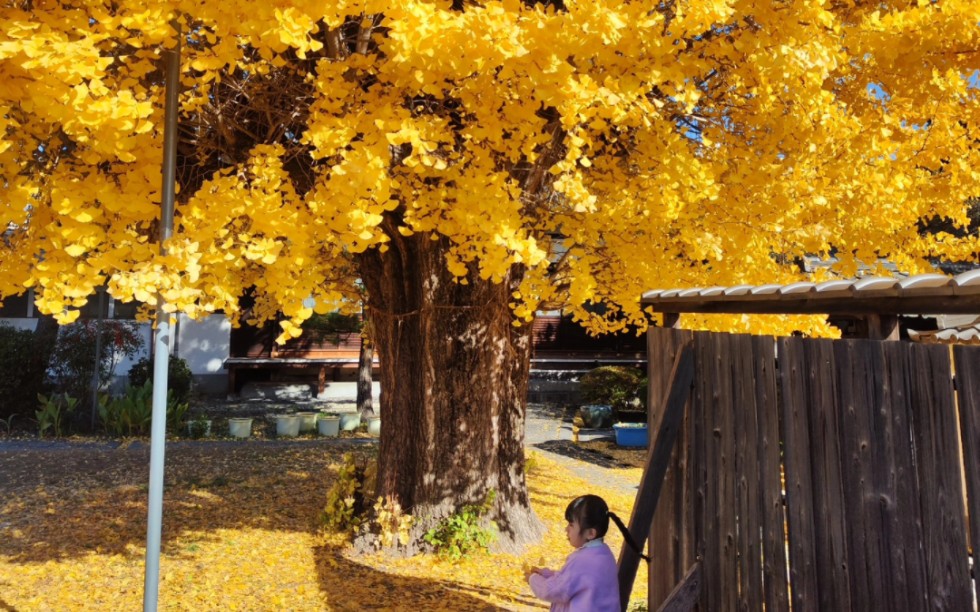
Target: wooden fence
{"points": [[875, 450]]}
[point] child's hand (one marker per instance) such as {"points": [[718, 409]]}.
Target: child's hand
{"points": [[529, 569]]}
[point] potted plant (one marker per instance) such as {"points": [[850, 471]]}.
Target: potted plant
{"points": [[350, 421], [307, 421], [240, 427], [596, 416], [328, 424], [287, 425], [199, 427], [374, 426]]}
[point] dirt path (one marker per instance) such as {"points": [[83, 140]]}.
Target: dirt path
{"points": [[549, 430]]}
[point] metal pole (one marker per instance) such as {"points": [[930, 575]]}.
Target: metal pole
{"points": [[161, 357]]}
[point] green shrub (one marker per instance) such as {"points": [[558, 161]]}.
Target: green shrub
{"points": [[199, 426], [53, 411], [176, 411], [620, 387], [464, 532], [131, 414], [179, 376], [19, 384], [73, 359], [347, 499]]}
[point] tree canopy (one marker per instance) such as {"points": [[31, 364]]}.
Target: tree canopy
{"points": [[604, 148]]}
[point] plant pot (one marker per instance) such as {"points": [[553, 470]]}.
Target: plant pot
{"points": [[307, 421], [240, 427], [350, 422], [374, 426], [631, 434], [287, 425], [199, 428], [596, 415], [328, 425], [632, 416]]}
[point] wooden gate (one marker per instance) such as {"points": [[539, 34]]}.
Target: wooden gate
{"points": [[819, 475]]}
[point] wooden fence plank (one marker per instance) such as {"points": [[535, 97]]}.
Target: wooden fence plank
{"points": [[908, 556], [686, 526], [653, 474], [859, 372], [699, 468], [711, 452], [830, 535], [770, 478], [937, 460], [799, 486], [747, 474], [724, 436], [967, 361], [672, 549], [685, 595], [876, 466]]}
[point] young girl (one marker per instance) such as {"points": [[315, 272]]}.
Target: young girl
{"points": [[588, 581]]}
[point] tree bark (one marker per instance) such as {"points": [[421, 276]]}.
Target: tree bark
{"points": [[454, 375], [365, 363]]}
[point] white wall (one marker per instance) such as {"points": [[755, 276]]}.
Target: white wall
{"points": [[205, 345]]}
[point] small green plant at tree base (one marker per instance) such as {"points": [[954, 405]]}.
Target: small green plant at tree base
{"points": [[347, 498], [464, 532], [52, 412], [394, 526]]}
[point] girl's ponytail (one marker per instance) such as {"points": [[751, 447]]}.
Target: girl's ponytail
{"points": [[627, 536]]}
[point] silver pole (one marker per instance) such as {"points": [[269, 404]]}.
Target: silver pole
{"points": [[161, 356]]}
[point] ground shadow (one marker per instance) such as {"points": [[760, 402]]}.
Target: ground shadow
{"points": [[352, 586], [567, 448], [57, 504]]}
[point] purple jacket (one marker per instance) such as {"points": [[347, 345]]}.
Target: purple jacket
{"points": [[588, 582]]}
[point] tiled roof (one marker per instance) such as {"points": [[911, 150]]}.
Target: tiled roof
{"points": [[961, 334], [920, 294]]}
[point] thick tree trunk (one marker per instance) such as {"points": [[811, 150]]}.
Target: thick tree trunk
{"points": [[454, 375], [365, 363]]}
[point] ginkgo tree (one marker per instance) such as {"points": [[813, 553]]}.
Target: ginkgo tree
{"points": [[472, 162]]}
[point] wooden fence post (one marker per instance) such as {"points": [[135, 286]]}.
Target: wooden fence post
{"points": [[682, 375]]}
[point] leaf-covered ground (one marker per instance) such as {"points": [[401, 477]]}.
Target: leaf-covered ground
{"points": [[240, 532]]}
